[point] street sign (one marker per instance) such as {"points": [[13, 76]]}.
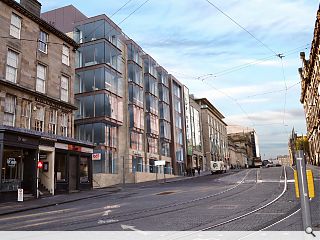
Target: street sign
{"points": [[96, 156], [160, 163], [20, 195], [11, 162], [40, 164]]}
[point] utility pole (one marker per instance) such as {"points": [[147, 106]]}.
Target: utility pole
{"points": [[303, 190]]}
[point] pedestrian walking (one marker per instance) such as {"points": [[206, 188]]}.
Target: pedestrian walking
{"points": [[193, 171], [199, 169]]}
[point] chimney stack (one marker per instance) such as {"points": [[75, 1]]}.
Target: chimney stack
{"points": [[32, 6]]}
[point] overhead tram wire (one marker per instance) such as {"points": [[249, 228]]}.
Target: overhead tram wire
{"points": [[242, 66], [112, 28], [243, 28]]}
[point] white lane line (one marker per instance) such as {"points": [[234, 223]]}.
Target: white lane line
{"points": [[37, 214]]}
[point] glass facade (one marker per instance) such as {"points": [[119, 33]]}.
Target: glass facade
{"points": [[136, 117], [96, 30], [195, 129], [100, 105], [98, 133], [101, 78], [178, 124]]}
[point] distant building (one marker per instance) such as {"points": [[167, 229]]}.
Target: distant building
{"points": [[237, 154], [245, 138], [195, 157], [215, 139], [310, 91], [284, 160]]}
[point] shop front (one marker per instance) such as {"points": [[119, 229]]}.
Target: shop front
{"points": [[42, 164], [73, 167], [18, 158]]}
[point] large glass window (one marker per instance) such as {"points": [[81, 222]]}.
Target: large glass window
{"points": [[96, 30], [165, 130], [106, 105], [164, 111], [108, 162], [163, 78], [178, 121], [100, 53], [136, 95], [12, 66], [150, 66], [151, 85], [9, 110], [136, 116], [84, 170], [136, 141], [179, 155], [164, 94], [101, 78], [152, 104], [165, 149], [177, 105], [152, 124], [135, 74], [60, 166], [176, 90], [15, 26], [152, 145], [134, 54], [12, 169]]}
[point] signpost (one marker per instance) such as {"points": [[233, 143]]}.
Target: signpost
{"points": [[303, 192], [160, 163], [20, 195]]}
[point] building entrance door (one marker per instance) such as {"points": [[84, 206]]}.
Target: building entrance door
{"points": [[73, 169]]}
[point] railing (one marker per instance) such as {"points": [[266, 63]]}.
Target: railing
{"points": [[152, 169]]}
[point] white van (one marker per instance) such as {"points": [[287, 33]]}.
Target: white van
{"points": [[218, 167]]}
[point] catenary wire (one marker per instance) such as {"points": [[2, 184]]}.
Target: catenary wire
{"points": [[243, 28]]}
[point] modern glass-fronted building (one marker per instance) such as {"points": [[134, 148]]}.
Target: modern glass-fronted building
{"points": [[99, 89]]}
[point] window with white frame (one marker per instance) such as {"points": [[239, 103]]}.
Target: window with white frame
{"points": [[64, 88], [9, 110], [15, 26], [43, 42], [41, 78], [65, 55], [39, 119], [12, 66], [26, 114], [64, 124], [52, 127]]}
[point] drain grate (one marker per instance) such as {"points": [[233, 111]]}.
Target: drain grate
{"points": [[165, 193]]}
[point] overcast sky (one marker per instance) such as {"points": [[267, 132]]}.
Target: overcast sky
{"points": [[190, 38]]}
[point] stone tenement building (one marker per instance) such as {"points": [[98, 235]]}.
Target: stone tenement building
{"points": [[215, 140], [36, 105], [310, 91]]}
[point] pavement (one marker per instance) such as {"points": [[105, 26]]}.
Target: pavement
{"points": [[12, 207]]}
